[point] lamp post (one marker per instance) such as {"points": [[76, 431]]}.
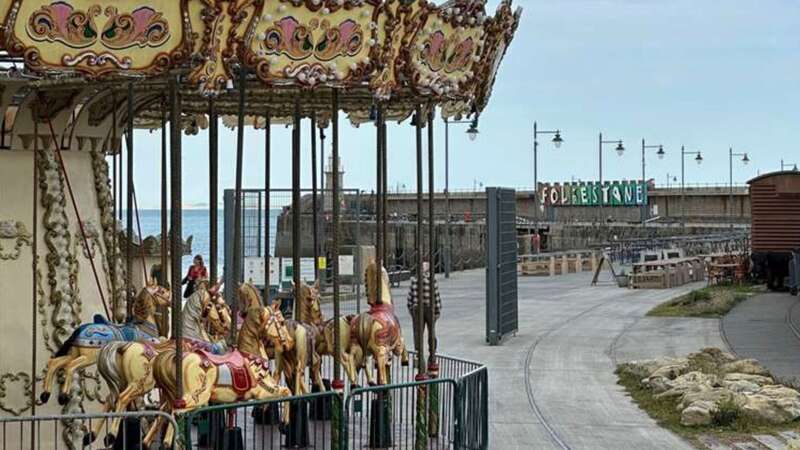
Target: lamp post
{"points": [[699, 159], [745, 160], [557, 141], [472, 132], [620, 150], [784, 166], [660, 154]]}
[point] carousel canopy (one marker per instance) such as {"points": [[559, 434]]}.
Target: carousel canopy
{"points": [[396, 53]]}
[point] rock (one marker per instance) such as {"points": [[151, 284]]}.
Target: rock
{"points": [[793, 444], [717, 396], [644, 369], [689, 382], [775, 404], [710, 359], [756, 379], [745, 366], [698, 414], [671, 371], [658, 384], [741, 386]]}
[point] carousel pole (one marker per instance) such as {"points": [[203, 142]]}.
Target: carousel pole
{"points": [[338, 383], [421, 436], [115, 176], [164, 207], [176, 235], [433, 366], [314, 211], [384, 191], [237, 204], [34, 266], [296, 205], [213, 187], [378, 202], [267, 158], [164, 320], [129, 207]]}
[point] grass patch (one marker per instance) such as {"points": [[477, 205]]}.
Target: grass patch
{"points": [[727, 423], [710, 302]]}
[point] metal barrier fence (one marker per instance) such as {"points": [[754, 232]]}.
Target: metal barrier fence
{"points": [[628, 251], [77, 431], [450, 411]]}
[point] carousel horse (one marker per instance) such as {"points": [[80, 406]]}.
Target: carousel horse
{"points": [[310, 313], [82, 347], [378, 331], [295, 350], [127, 366], [215, 379]]}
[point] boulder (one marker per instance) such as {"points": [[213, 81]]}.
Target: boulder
{"points": [[644, 369], [689, 382], [756, 379], [710, 359], [698, 414], [793, 444], [717, 396], [741, 386], [745, 366], [775, 404], [671, 371]]}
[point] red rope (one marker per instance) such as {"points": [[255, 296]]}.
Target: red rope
{"points": [[139, 229], [77, 214]]}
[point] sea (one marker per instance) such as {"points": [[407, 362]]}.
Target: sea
{"points": [[196, 223]]}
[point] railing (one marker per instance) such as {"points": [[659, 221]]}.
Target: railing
{"points": [[450, 411], [78, 431]]}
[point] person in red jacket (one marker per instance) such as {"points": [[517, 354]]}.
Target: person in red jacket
{"points": [[196, 272]]}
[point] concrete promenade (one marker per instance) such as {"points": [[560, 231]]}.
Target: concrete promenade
{"points": [[552, 385]]}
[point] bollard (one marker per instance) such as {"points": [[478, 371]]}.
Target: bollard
{"points": [[297, 430], [380, 421], [321, 407], [130, 435], [564, 264], [578, 263], [552, 266]]}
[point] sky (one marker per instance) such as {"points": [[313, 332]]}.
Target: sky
{"points": [[706, 74]]}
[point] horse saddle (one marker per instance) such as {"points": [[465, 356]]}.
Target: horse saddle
{"points": [[232, 370]]}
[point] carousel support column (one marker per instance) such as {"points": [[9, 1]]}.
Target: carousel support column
{"points": [[314, 211], [267, 161], [176, 234], [164, 281], [433, 366], [323, 242], [385, 192], [297, 432], [237, 202], [378, 200], [421, 435], [338, 383], [296, 206], [213, 187], [129, 207], [34, 268]]}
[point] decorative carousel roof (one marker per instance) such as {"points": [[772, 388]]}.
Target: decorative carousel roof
{"points": [[398, 53]]}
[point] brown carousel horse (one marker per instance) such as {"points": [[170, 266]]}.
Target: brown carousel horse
{"points": [[214, 379], [378, 331], [127, 366], [81, 349], [310, 313]]}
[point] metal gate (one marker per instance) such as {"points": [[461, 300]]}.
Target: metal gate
{"points": [[501, 264]]}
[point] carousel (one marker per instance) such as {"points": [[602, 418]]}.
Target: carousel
{"points": [[99, 348]]}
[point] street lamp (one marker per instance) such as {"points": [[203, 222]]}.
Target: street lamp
{"points": [[660, 153], [620, 150], [557, 141], [699, 159], [472, 132], [745, 160]]}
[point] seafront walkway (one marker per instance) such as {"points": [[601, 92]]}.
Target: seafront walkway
{"points": [[553, 384]]}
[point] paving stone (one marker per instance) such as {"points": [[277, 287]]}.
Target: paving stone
{"points": [[713, 443], [770, 441]]}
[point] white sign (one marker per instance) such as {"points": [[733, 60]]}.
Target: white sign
{"points": [[346, 265], [254, 270]]}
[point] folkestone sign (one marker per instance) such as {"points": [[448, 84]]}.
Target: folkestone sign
{"points": [[610, 193]]}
